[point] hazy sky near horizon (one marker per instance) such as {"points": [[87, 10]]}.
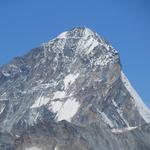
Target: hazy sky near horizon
{"points": [[125, 24]]}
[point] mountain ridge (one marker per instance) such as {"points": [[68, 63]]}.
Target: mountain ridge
{"points": [[75, 77]]}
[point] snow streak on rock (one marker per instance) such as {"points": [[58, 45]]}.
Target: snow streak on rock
{"points": [[142, 108]]}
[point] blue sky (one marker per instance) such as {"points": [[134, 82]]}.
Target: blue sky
{"points": [[25, 24]]}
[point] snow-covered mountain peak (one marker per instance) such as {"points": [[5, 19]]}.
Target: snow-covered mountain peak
{"points": [[82, 41], [74, 77], [78, 32], [68, 85]]}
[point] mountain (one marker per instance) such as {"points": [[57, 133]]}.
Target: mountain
{"points": [[68, 94]]}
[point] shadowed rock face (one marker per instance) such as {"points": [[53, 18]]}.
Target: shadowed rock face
{"points": [[75, 77], [67, 136]]}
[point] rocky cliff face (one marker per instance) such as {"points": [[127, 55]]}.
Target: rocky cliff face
{"points": [[76, 77]]}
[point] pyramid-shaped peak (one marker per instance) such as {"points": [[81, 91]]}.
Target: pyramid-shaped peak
{"points": [[78, 32], [83, 30], [82, 40]]}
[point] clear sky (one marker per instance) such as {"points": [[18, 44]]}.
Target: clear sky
{"points": [[25, 24]]}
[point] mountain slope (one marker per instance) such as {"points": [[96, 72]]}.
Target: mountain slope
{"points": [[75, 77]]}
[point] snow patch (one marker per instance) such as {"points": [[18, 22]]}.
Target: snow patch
{"points": [[87, 44], [56, 106], [120, 113], [114, 103], [142, 108], [59, 95], [2, 107], [17, 136], [40, 101], [56, 148], [88, 32], [68, 110], [33, 148], [6, 74], [106, 119], [70, 79], [91, 46], [123, 129], [36, 117], [62, 35], [104, 60], [3, 97]]}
